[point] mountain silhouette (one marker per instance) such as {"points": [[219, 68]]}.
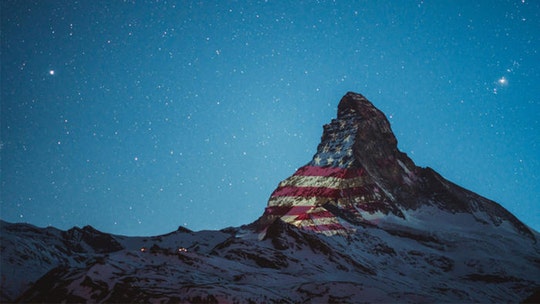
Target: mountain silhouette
{"points": [[360, 222]]}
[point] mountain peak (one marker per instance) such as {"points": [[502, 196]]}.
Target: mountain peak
{"points": [[410, 236], [357, 104], [358, 176], [375, 146]]}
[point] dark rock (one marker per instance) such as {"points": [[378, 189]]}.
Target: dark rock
{"points": [[100, 242]]}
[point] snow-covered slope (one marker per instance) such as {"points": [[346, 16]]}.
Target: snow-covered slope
{"points": [[393, 261], [359, 223]]}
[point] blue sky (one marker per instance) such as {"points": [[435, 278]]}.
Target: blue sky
{"points": [[139, 116]]}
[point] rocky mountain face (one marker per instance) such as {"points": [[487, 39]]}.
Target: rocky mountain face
{"points": [[358, 174], [359, 223]]}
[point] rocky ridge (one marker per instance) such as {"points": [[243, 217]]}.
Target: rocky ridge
{"points": [[359, 223]]}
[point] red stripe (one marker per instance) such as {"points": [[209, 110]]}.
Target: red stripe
{"points": [[329, 172], [305, 191], [302, 217], [296, 210], [318, 192]]}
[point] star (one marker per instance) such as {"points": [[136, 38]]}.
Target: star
{"points": [[329, 160], [51, 72], [502, 81], [317, 160]]}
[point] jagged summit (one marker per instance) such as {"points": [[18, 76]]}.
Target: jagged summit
{"points": [[358, 105], [358, 174]]}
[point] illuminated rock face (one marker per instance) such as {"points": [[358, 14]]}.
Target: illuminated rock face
{"points": [[336, 181], [358, 175]]}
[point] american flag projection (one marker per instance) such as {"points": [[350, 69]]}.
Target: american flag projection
{"points": [[333, 178]]}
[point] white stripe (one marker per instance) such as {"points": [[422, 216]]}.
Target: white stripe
{"points": [[323, 181], [296, 201], [326, 221], [319, 201]]}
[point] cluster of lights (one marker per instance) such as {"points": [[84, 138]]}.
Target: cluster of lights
{"points": [[180, 250]]}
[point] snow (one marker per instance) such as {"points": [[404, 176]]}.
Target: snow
{"points": [[430, 256]]}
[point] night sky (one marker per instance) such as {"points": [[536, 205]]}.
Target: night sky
{"points": [[137, 117]]}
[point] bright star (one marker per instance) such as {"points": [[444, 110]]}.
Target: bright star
{"points": [[502, 81], [51, 72]]}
